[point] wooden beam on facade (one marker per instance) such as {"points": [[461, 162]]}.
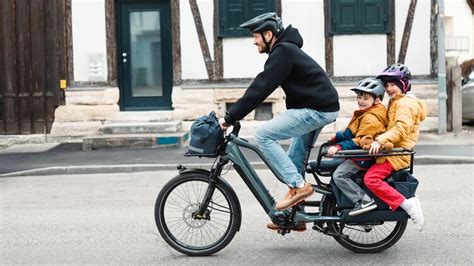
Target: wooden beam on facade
{"points": [[278, 8], [391, 33], [328, 40], [176, 41], [407, 32], [111, 41], [202, 39], [434, 39], [69, 48], [218, 48]]}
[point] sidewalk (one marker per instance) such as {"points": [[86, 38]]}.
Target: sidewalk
{"points": [[68, 158]]}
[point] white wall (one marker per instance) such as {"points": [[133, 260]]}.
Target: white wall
{"points": [[308, 17], [192, 62], [89, 37], [359, 55], [460, 22], [418, 57], [241, 59]]}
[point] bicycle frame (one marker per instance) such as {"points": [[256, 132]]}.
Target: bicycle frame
{"points": [[253, 181], [231, 151]]}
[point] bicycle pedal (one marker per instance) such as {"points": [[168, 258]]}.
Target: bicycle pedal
{"points": [[283, 231]]}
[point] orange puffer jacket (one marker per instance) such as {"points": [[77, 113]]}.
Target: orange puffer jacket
{"points": [[405, 113]]}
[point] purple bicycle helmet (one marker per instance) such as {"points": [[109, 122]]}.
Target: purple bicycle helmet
{"points": [[398, 73], [395, 71]]}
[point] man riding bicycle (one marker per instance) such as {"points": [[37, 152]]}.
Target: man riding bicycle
{"points": [[311, 100]]}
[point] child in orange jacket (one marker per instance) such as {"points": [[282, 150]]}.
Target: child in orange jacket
{"points": [[405, 112], [367, 123]]}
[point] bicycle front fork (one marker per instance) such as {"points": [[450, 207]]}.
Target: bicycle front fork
{"points": [[213, 179]]}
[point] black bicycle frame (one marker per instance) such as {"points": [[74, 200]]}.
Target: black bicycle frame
{"points": [[253, 181]]}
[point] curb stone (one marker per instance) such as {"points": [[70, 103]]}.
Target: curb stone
{"points": [[129, 168]]}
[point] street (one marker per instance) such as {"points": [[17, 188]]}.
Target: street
{"points": [[108, 219]]}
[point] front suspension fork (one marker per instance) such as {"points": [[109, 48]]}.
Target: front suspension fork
{"points": [[213, 179]]}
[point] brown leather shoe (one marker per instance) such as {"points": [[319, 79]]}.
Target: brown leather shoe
{"points": [[299, 227], [295, 196]]}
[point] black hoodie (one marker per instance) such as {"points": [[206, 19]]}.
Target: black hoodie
{"points": [[304, 82]]}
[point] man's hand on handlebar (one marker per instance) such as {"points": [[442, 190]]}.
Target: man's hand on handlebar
{"points": [[224, 125]]}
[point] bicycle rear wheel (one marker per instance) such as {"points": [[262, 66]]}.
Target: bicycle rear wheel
{"points": [[175, 218], [366, 237]]}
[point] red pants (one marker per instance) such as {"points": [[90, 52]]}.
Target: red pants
{"points": [[373, 180]]}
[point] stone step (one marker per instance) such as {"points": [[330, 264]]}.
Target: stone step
{"points": [[142, 116], [141, 127], [135, 141]]}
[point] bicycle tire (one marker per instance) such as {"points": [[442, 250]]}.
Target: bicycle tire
{"points": [[224, 214], [386, 234]]}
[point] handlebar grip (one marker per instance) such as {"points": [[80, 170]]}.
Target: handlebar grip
{"points": [[236, 129]]}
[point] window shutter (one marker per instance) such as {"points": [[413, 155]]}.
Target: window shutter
{"points": [[259, 7], [345, 16], [359, 16], [232, 14], [374, 16]]}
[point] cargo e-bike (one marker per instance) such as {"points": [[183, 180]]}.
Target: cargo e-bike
{"points": [[198, 213]]}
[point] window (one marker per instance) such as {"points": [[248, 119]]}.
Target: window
{"points": [[232, 13], [359, 16]]}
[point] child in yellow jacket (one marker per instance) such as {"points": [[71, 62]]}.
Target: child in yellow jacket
{"points": [[405, 112], [367, 123]]}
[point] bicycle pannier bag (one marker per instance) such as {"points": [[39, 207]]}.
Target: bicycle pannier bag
{"points": [[206, 136]]}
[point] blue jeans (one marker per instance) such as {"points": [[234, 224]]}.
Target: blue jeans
{"points": [[296, 124]]}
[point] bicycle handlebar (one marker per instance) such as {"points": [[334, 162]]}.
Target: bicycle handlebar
{"points": [[236, 128]]}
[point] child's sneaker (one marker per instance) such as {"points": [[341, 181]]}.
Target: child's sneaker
{"points": [[363, 206], [416, 214]]}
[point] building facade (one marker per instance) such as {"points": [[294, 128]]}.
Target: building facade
{"points": [[186, 58]]}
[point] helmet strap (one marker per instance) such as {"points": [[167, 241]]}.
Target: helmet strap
{"points": [[267, 44], [405, 86]]}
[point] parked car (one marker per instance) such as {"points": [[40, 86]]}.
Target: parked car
{"points": [[467, 90]]}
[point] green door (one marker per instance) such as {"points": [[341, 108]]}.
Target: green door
{"points": [[144, 55]]}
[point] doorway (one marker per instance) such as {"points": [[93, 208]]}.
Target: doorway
{"points": [[144, 55]]}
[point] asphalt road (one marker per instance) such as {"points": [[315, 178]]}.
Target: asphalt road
{"points": [[27, 157], [108, 219]]}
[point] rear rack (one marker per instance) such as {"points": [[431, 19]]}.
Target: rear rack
{"points": [[363, 154]]}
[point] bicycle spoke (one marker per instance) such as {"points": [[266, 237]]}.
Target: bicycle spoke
{"points": [[186, 199]]}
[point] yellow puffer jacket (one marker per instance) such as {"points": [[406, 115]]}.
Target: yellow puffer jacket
{"points": [[405, 113]]}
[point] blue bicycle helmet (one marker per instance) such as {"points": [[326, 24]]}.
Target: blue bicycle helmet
{"points": [[371, 85]]}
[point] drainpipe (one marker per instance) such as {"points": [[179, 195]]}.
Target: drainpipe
{"points": [[442, 95]]}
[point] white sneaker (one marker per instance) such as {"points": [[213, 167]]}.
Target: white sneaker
{"points": [[416, 214]]}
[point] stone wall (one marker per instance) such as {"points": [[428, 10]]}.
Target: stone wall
{"points": [[192, 102], [85, 111]]}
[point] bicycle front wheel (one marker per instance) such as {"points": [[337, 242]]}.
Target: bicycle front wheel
{"points": [[182, 229]]}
